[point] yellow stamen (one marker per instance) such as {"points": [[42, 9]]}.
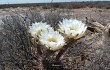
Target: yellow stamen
{"points": [[39, 32], [72, 28], [52, 40]]}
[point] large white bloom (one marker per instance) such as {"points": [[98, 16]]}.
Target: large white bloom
{"points": [[72, 28], [38, 27], [52, 40]]}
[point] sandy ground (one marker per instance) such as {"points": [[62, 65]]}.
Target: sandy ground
{"points": [[100, 15]]}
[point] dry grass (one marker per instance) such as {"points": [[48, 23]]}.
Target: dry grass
{"points": [[17, 52]]}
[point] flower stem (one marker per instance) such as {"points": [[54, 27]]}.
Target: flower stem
{"points": [[38, 47], [63, 50]]}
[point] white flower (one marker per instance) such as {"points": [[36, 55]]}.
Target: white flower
{"points": [[52, 40], [38, 27], [72, 28]]}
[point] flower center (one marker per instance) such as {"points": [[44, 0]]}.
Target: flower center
{"points": [[72, 28], [39, 32], [52, 40]]}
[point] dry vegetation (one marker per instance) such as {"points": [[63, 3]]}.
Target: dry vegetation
{"points": [[18, 52], [68, 5]]}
